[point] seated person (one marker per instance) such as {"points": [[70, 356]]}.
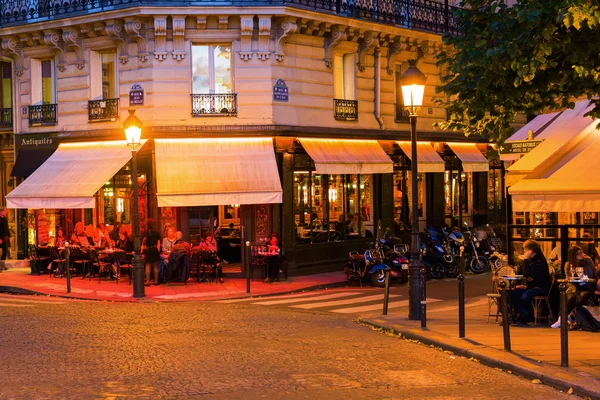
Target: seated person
{"points": [[589, 247], [169, 241], [180, 249], [99, 239], [59, 240], [124, 243], [79, 233], [210, 242]]}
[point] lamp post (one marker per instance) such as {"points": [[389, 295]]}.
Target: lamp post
{"points": [[412, 83], [133, 133]]}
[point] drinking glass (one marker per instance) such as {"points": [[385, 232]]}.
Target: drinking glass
{"points": [[579, 271]]}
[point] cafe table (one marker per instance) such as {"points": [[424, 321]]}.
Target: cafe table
{"points": [[577, 281]]}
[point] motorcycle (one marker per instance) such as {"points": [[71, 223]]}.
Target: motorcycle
{"points": [[436, 253], [464, 244]]}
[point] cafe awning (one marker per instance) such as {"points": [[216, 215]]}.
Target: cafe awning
{"points": [[471, 158], [216, 171], [28, 160], [71, 176], [345, 156], [556, 136], [563, 182], [538, 126], [428, 160]]}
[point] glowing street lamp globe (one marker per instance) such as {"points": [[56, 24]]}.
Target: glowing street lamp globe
{"points": [[133, 130], [412, 83]]}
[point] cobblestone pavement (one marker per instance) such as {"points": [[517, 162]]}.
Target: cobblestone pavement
{"points": [[83, 350]]}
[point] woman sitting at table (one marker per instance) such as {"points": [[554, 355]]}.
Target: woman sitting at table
{"points": [[577, 259], [210, 242], [59, 240], [124, 243], [99, 239], [537, 273], [169, 240]]}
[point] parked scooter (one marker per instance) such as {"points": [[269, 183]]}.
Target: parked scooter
{"points": [[436, 253], [375, 262]]}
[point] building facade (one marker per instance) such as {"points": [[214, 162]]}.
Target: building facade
{"points": [[317, 81]]}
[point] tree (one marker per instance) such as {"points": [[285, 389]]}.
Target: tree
{"points": [[533, 57]]}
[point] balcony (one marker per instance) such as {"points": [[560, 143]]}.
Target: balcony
{"points": [[103, 110], [6, 118], [425, 15], [345, 110], [214, 104], [43, 115]]}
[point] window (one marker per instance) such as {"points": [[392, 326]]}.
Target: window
{"points": [[42, 82], [103, 75], [6, 95], [211, 69], [401, 112], [344, 77]]}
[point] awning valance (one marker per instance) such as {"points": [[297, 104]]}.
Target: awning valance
{"points": [[345, 156], [428, 159], [71, 176], [28, 160], [220, 171], [471, 158]]}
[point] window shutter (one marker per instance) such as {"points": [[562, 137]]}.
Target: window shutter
{"points": [[338, 76], [95, 75], [349, 77]]}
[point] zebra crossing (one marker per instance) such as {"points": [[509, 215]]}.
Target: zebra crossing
{"points": [[339, 302], [12, 301]]}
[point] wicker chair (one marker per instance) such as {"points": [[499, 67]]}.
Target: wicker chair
{"points": [[494, 297]]}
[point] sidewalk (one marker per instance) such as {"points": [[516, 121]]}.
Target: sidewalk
{"points": [[535, 350], [19, 280]]}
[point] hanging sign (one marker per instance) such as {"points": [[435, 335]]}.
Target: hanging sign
{"points": [[519, 147], [280, 91], [136, 96]]}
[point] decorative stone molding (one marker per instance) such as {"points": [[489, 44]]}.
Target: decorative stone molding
{"points": [[137, 32], [160, 37], [88, 30], [74, 42], [178, 52], [367, 43], [27, 40], [354, 34], [394, 49], [264, 37], [201, 22], [332, 40], [53, 39], [246, 31], [223, 21], [323, 29], [286, 29], [114, 30], [13, 49]]}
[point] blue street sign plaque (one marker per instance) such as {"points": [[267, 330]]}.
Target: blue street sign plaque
{"points": [[136, 95], [280, 91]]}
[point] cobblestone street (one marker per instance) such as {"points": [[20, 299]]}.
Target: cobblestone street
{"points": [[53, 349]]}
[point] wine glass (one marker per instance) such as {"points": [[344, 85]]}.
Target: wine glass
{"points": [[579, 271]]}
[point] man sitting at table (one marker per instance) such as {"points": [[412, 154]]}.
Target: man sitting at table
{"points": [[181, 249], [535, 270]]}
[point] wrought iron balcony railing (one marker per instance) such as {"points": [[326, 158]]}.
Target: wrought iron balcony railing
{"points": [[345, 110], [214, 104], [427, 15], [6, 120], [43, 114], [103, 110]]}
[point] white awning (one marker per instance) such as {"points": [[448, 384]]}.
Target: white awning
{"points": [[428, 159], [341, 156], [564, 183], [556, 136], [199, 172], [71, 176], [471, 158]]}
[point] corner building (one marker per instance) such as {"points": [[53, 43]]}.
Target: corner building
{"points": [[277, 115]]}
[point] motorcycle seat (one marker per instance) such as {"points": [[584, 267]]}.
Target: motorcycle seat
{"points": [[357, 257]]}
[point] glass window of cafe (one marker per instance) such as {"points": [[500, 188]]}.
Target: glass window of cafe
{"points": [[331, 207], [458, 195], [403, 195]]}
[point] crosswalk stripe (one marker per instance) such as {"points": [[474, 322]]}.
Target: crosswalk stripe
{"points": [[375, 307], [287, 296], [479, 302], [343, 302], [303, 299]]}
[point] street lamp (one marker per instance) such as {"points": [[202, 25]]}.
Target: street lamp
{"points": [[133, 133], [412, 83]]}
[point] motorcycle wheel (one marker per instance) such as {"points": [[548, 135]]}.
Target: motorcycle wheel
{"points": [[453, 270], [378, 278], [438, 271], [479, 265]]}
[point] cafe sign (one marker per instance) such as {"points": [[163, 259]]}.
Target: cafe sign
{"points": [[519, 147]]}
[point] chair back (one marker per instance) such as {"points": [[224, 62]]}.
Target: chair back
{"points": [[54, 253], [93, 256], [498, 274]]}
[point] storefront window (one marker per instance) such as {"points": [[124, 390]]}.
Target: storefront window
{"points": [[458, 193], [494, 198]]}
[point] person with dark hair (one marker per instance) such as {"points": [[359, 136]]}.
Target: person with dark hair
{"points": [[4, 237], [577, 259], [151, 238], [537, 273], [589, 247]]}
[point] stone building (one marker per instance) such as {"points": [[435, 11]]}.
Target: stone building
{"points": [[276, 115]]}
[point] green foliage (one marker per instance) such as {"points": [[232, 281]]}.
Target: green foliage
{"points": [[537, 56]]}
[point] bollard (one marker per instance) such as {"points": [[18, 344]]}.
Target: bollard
{"points": [[386, 295], [461, 306], [68, 267], [247, 265], [564, 327], [505, 316], [423, 300]]}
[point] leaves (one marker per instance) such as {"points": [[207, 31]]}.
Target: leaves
{"points": [[534, 57]]}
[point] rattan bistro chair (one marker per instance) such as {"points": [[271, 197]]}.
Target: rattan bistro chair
{"points": [[494, 297], [539, 301]]}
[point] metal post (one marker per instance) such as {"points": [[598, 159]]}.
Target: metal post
{"points": [[415, 265], [505, 316], [423, 300], [68, 267], [564, 327], [138, 268], [461, 306], [386, 295], [247, 261]]}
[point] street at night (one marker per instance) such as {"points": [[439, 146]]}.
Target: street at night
{"points": [[57, 348]]}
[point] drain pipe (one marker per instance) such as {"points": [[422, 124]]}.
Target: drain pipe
{"points": [[377, 111]]}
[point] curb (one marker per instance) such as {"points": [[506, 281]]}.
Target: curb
{"points": [[568, 379]]}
